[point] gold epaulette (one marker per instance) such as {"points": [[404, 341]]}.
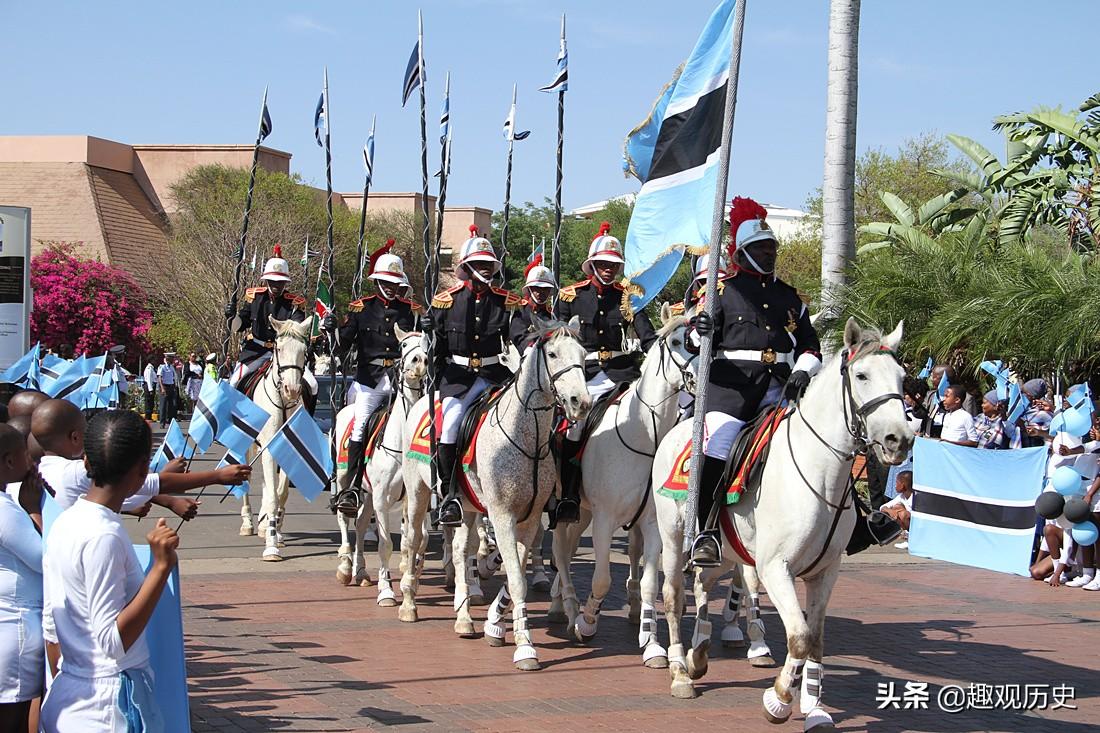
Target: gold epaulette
{"points": [[569, 292], [677, 309], [356, 306], [511, 300], [446, 299], [251, 293], [416, 307], [298, 301]]}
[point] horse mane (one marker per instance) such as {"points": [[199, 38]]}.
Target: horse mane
{"points": [[870, 342], [553, 328], [671, 325]]}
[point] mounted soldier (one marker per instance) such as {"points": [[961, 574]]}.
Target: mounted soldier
{"points": [[603, 307], [261, 304], [765, 348], [698, 285], [369, 326], [471, 324], [539, 289]]}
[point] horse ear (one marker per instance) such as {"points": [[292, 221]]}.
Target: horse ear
{"points": [[399, 332], [894, 338], [574, 323], [278, 325], [852, 333], [666, 313]]}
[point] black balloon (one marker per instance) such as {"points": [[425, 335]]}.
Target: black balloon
{"points": [[1076, 510], [1049, 505]]}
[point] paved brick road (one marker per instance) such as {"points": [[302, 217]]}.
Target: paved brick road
{"points": [[283, 647]]}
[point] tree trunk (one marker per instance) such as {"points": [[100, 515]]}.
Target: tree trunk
{"points": [[838, 226]]}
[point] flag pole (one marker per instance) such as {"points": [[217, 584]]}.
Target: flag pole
{"points": [[244, 228], [441, 201], [717, 224], [333, 338], [508, 193], [357, 282], [431, 259], [556, 254]]}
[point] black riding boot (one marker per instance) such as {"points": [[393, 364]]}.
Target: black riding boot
{"points": [[568, 510], [706, 551], [348, 501], [450, 511]]}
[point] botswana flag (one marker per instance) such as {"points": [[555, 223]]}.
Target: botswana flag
{"points": [[173, 447], [246, 420], [211, 414], [975, 507], [674, 153], [412, 71], [70, 385], [240, 490], [304, 454], [25, 371]]}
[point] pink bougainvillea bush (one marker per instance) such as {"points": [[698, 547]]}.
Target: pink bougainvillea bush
{"points": [[87, 304]]}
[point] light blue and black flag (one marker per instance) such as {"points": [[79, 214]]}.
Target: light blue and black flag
{"points": [[975, 507], [51, 367], [265, 120], [239, 490], [445, 113], [246, 420], [560, 82], [320, 115], [414, 71], [174, 446], [303, 452], [72, 382], [211, 414], [674, 153], [25, 371]]}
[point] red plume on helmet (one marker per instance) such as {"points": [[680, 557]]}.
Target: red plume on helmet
{"points": [[742, 210], [534, 263], [384, 249], [605, 229], [278, 251], [473, 230]]}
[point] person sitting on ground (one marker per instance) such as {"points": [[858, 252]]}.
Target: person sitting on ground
{"points": [[59, 427], [1053, 555], [958, 425], [990, 425], [97, 598], [900, 508], [22, 663]]}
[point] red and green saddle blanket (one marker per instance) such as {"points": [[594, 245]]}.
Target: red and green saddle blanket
{"points": [[373, 439], [420, 450], [676, 485]]}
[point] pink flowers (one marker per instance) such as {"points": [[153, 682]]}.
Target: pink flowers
{"points": [[86, 303]]}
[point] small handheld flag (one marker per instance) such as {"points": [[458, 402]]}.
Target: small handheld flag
{"points": [[211, 415], [941, 388], [24, 371], [242, 489], [927, 371], [246, 420], [560, 82], [302, 451], [174, 446]]}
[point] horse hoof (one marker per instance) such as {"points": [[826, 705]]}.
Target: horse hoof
{"points": [[272, 554], [342, 578], [775, 710], [657, 663], [762, 661], [407, 615], [247, 530], [818, 720], [697, 662], [557, 617], [528, 665], [494, 641], [465, 629], [683, 689], [387, 602], [541, 586], [582, 637], [478, 600]]}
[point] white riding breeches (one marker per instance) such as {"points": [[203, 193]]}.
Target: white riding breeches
{"points": [[722, 429], [598, 386], [455, 407], [367, 400]]}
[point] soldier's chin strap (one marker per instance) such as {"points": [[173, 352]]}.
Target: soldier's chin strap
{"points": [[474, 272], [748, 257]]}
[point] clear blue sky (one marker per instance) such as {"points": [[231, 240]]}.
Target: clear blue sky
{"points": [[193, 72]]}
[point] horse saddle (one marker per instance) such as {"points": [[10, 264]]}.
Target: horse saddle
{"points": [[599, 408], [745, 465], [471, 421], [375, 427], [250, 382]]}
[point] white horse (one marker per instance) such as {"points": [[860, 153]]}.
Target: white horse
{"points": [[512, 475], [279, 392], [383, 474], [617, 463], [797, 524]]}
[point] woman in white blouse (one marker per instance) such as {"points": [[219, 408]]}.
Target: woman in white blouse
{"points": [[97, 598], [22, 666]]}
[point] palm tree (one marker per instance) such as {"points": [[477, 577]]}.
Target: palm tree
{"points": [[838, 224]]}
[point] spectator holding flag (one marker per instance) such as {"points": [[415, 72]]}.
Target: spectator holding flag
{"points": [[990, 426]]}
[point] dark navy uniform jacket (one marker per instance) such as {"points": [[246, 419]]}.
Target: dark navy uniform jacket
{"points": [[475, 326], [258, 307], [605, 316], [755, 313], [520, 329], [369, 326]]}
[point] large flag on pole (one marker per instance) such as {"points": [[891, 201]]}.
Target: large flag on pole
{"points": [[560, 82], [674, 153], [302, 451], [975, 507]]}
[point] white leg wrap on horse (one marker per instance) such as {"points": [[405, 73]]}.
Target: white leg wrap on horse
{"points": [[676, 654], [757, 646], [775, 706], [701, 633], [731, 632], [555, 586], [496, 623], [589, 619], [488, 566], [647, 627], [812, 682], [817, 717], [733, 602], [793, 667]]}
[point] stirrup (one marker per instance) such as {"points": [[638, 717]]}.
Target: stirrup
{"points": [[706, 550], [567, 511], [450, 512], [347, 502]]}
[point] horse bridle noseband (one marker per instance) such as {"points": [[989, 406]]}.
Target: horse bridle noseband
{"points": [[280, 368]]}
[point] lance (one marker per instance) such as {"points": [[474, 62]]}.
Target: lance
{"points": [[263, 130], [508, 191], [368, 163], [333, 338], [717, 224], [556, 253], [444, 174], [431, 260]]}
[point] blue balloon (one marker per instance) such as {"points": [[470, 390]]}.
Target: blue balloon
{"points": [[1085, 533], [1077, 422], [1066, 481]]}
